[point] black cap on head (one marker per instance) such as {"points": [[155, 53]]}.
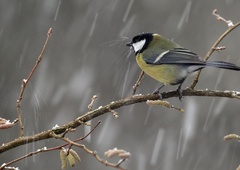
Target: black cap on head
{"points": [[143, 36], [139, 37]]}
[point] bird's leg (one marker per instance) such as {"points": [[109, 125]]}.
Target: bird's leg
{"points": [[179, 90], [157, 91]]}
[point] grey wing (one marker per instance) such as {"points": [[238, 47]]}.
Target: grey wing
{"points": [[175, 56]]}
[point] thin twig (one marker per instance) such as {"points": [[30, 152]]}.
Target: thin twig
{"points": [[25, 156], [82, 138], [48, 149], [138, 82], [228, 22], [93, 153], [211, 50], [113, 105], [25, 82], [94, 98]]}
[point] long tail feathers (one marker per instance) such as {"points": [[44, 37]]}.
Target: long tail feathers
{"points": [[222, 64]]}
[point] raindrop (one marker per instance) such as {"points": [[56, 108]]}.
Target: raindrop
{"points": [[141, 161], [20, 7], [219, 78], [170, 153], [108, 133], [57, 10], [58, 95], [189, 124], [128, 26], [157, 147], [220, 105], [1, 31], [93, 24], [220, 75], [127, 11], [205, 127], [23, 53], [179, 143], [233, 156], [87, 129], [185, 15], [125, 79], [147, 115]]}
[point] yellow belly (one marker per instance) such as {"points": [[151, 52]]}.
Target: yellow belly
{"points": [[164, 73]]}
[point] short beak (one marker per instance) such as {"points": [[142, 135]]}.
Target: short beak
{"points": [[129, 44]]}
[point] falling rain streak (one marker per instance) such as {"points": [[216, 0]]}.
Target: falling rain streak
{"points": [[179, 143], [157, 147], [128, 10], [126, 80], [185, 15], [219, 79], [57, 10], [93, 25], [189, 124], [87, 129]]}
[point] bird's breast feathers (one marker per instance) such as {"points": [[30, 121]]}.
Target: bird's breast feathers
{"points": [[163, 73]]}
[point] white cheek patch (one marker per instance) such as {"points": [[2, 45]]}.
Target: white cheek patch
{"points": [[138, 45]]}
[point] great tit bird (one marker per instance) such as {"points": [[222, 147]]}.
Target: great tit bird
{"points": [[168, 62]]}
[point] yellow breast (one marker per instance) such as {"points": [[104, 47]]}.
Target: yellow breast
{"points": [[164, 73]]}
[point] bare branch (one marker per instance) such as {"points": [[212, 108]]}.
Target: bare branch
{"points": [[25, 82], [94, 98], [45, 149], [212, 49], [93, 153], [113, 105], [228, 22], [138, 82]]}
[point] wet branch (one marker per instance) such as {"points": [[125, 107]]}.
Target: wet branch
{"points": [[93, 153], [45, 149], [113, 105], [214, 48], [138, 82], [25, 82]]}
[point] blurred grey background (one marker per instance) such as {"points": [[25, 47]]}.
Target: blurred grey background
{"points": [[87, 55]]}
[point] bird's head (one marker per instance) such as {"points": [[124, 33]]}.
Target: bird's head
{"points": [[140, 42]]}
